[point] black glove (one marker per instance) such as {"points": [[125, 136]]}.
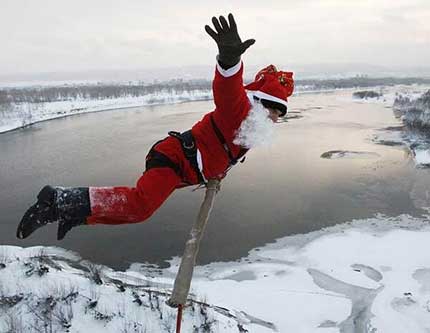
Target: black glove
{"points": [[230, 45]]}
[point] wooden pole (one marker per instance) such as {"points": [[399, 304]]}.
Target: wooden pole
{"points": [[182, 284]]}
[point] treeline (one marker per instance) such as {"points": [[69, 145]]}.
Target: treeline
{"points": [[360, 82], [109, 91], [97, 92], [415, 113]]}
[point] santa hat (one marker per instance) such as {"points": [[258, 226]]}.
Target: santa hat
{"points": [[273, 86]]}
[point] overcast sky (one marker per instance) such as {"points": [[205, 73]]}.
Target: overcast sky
{"points": [[60, 35]]}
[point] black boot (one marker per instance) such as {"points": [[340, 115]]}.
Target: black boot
{"points": [[67, 206]]}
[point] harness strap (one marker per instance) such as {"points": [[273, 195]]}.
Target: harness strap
{"points": [[155, 159], [233, 160], [190, 151]]}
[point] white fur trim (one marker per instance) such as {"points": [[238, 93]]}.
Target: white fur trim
{"points": [[263, 95], [200, 163], [250, 96], [228, 72]]}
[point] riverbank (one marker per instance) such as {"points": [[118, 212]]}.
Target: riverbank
{"points": [[22, 106], [360, 276]]}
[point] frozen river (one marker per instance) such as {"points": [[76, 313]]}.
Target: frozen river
{"points": [[280, 191]]}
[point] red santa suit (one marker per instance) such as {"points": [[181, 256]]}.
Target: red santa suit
{"points": [[118, 205]]}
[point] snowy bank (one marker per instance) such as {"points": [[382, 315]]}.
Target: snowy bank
{"points": [[53, 290], [364, 276], [367, 275], [22, 105], [414, 112], [411, 106], [24, 114]]}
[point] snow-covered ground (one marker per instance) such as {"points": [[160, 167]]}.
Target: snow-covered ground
{"points": [[415, 117], [24, 114], [368, 275], [18, 115], [390, 93]]}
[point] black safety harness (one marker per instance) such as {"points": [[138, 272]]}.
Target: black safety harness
{"points": [[232, 160], [190, 151], [155, 159]]}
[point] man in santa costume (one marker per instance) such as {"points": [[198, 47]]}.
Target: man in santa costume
{"points": [[212, 146]]}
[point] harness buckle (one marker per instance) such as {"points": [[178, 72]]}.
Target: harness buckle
{"points": [[191, 146]]}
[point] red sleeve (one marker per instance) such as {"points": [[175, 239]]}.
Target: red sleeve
{"points": [[230, 97]]}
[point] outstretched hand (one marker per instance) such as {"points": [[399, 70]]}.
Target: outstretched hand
{"points": [[230, 46]]}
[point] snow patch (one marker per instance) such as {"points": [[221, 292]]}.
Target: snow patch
{"points": [[334, 154], [361, 276], [24, 114]]}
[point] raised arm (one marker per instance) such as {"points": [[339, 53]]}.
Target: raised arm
{"points": [[229, 94]]}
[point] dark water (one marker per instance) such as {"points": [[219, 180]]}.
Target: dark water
{"points": [[279, 191]]}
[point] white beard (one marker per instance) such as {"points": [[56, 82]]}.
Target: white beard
{"points": [[256, 129]]}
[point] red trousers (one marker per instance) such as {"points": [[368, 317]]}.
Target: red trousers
{"points": [[119, 205]]}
